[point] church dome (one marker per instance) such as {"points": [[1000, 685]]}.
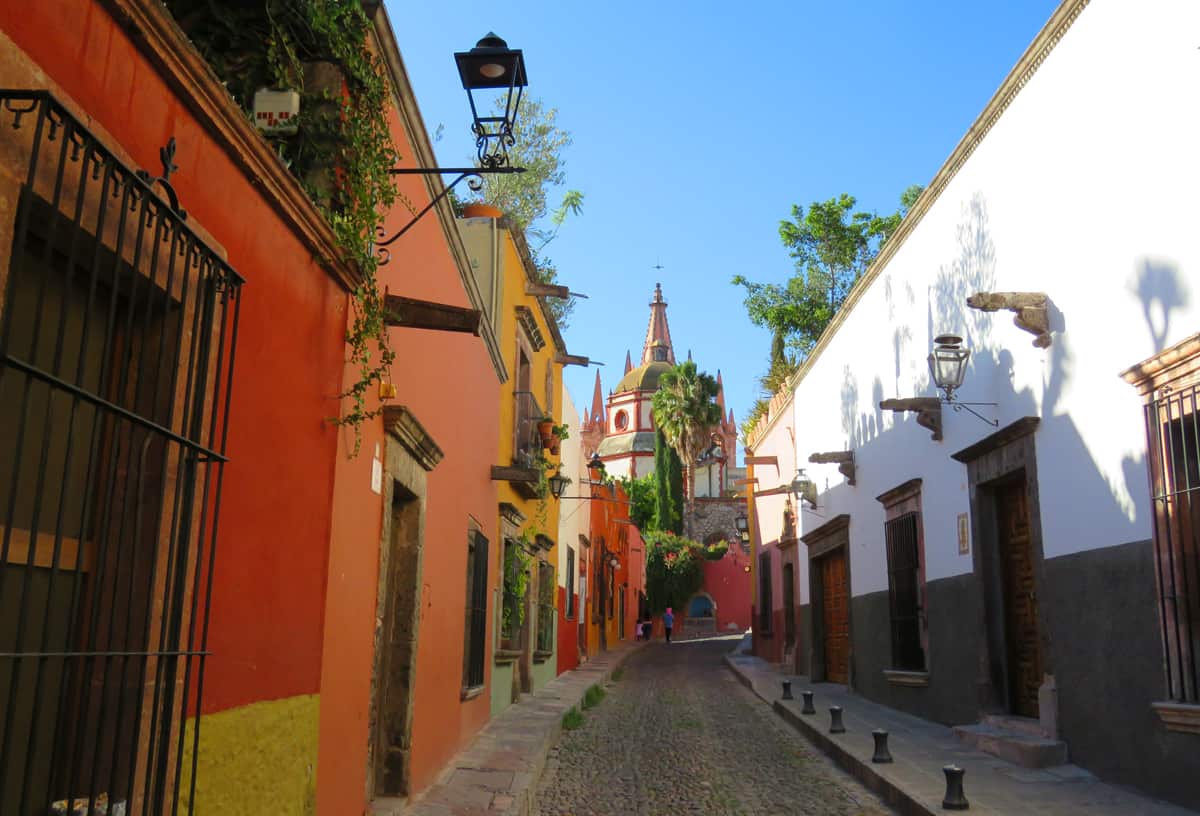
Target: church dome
{"points": [[643, 378]]}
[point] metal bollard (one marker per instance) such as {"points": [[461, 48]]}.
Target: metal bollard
{"points": [[835, 720], [787, 690], [882, 754], [808, 703], [955, 799]]}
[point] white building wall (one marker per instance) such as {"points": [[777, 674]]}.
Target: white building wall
{"points": [[1083, 189], [574, 516]]}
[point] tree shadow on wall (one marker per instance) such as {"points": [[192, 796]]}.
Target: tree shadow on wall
{"points": [[1161, 290]]}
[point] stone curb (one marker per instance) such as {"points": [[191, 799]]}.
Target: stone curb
{"points": [[861, 770], [497, 774]]}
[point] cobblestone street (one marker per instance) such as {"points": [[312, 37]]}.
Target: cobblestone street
{"points": [[679, 734]]}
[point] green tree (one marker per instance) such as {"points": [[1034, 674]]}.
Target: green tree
{"points": [[523, 197], [668, 487], [833, 245], [685, 409], [642, 501], [675, 569]]}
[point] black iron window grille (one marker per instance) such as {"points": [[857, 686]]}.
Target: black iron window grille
{"points": [[570, 593], [764, 593], [1173, 425], [475, 628], [117, 333], [904, 593], [546, 609], [789, 604]]}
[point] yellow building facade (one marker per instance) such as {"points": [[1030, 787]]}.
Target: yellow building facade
{"points": [[524, 656]]}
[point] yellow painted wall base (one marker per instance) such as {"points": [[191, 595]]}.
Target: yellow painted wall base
{"points": [[260, 758]]}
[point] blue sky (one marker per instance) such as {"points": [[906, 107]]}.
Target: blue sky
{"points": [[697, 125]]}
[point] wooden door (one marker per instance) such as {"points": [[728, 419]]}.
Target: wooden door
{"points": [[1020, 599], [835, 617]]}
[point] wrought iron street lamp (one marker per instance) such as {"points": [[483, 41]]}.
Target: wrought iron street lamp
{"points": [[743, 527], [558, 483], [948, 368], [490, 65], [804, 488], [948, 363]]}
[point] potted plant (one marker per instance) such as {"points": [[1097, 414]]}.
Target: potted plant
{"points": [[545, 427]]}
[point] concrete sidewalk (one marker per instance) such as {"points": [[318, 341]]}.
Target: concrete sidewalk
{"points": [[914, 782], [498, 772]]}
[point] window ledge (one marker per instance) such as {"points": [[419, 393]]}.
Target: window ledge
{"points": [[1184, 717], [470, 693], [898, 677], [504, 656], [542, 657]]}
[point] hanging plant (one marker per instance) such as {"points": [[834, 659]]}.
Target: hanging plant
{"points": [[342, 150]]}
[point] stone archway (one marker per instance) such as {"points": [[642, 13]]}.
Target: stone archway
{"points": [[700, 615]]}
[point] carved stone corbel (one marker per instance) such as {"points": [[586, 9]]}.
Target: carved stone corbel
{"points": [[1029, 307], [929, 412], [843, 459]]}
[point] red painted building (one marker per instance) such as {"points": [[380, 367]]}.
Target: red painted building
{"points": [[303, 654]]}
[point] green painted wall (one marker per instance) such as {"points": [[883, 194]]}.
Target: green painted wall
{"points": [[256, 759], [502, 676]]}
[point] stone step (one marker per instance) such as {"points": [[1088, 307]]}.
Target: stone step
{"points": [[1017, 725], [1023, 749]]}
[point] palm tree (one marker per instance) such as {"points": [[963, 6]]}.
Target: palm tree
{"points": [[685, 410]]}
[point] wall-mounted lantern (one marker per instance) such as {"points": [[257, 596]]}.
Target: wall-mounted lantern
{"points": [[804, 488], [743, 527], [948, 367], [492, 65], [558, 483]]}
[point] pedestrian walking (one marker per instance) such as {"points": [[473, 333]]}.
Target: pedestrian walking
{"points": [[668, 622]]}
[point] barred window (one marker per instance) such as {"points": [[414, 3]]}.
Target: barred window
{"points": [[475, 629], [764, 593], [512, 615], [570, 593], [904, 593], [546, 609], [1170, 383]]}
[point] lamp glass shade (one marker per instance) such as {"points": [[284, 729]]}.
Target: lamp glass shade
{"points": [[491, 64], [948, 362], [743, 524]]}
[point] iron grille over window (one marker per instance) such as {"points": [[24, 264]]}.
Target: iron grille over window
{"points": [[117, 336], [546, 586], [476, 623], [513, 613], [1173, 424], [570, 583], [764, 593], [789, 602], [904, 592]]}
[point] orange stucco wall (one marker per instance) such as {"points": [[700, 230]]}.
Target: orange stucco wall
{"points": [[448, 382], [268, 596]]}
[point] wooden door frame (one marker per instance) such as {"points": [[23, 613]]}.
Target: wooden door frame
{"points": [[409, 453], [995, 461], [830, 537]]}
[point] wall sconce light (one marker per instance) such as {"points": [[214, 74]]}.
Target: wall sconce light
{"points": [[948, 367], [743, 527], [558, 483], [804, 488], [615, 563]]}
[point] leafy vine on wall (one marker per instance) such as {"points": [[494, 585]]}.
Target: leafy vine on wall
{"points": [[342, 150]]}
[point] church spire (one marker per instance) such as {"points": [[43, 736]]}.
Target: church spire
{"points": [[658, 334], [628, 364], [598, 402], [720, 391]]}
